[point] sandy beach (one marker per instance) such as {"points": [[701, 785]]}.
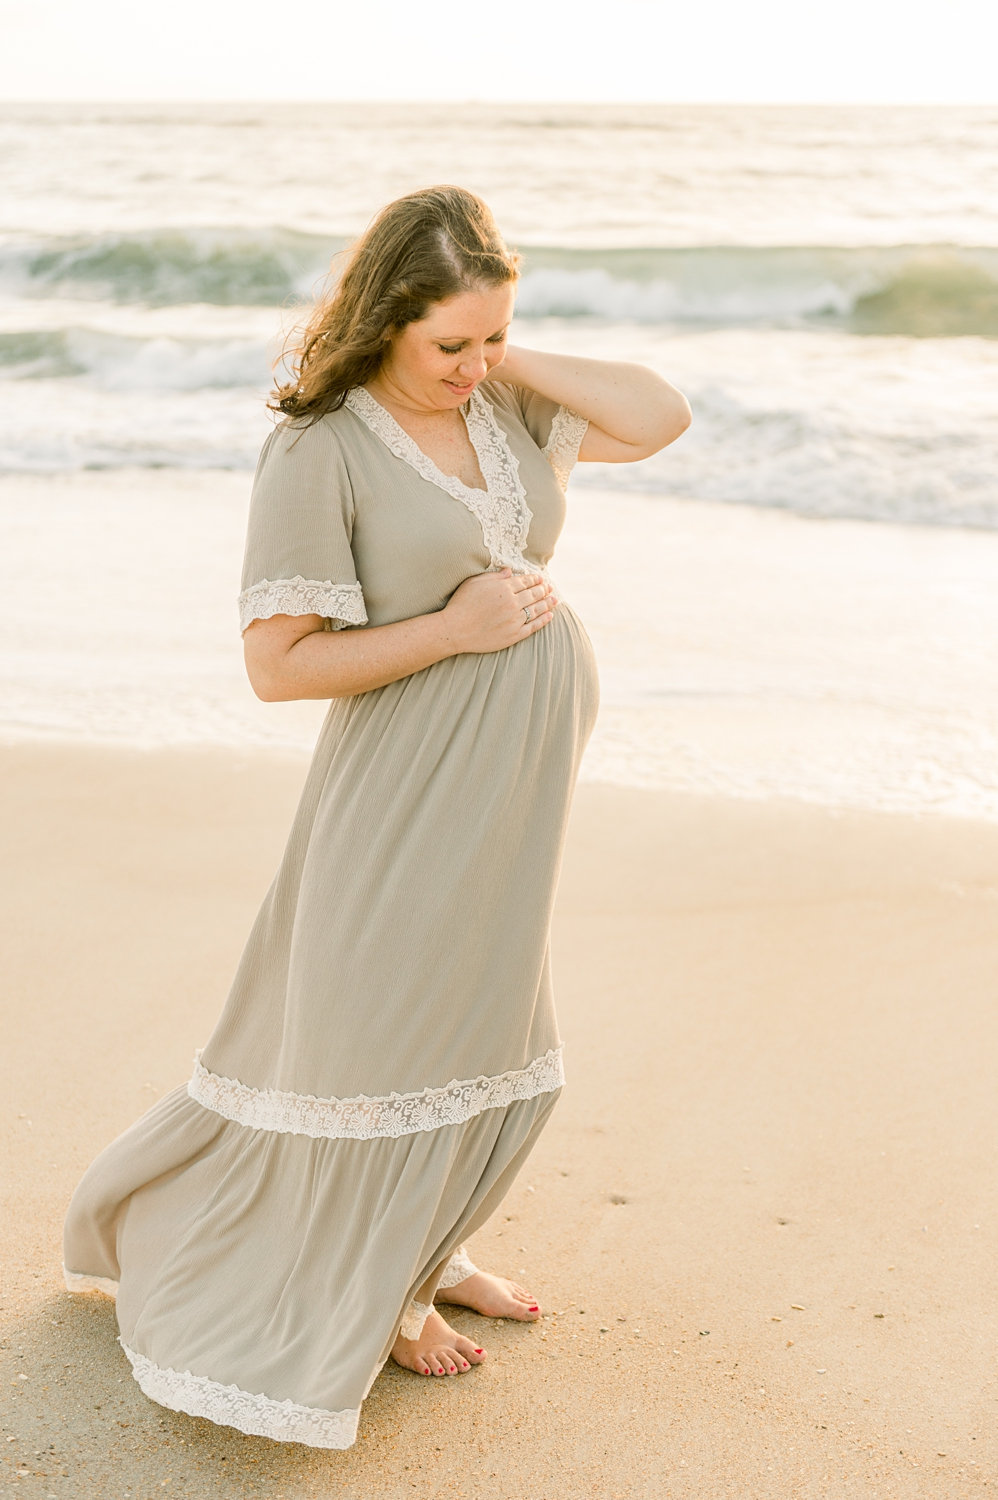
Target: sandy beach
{"points": [[760, 1224]]}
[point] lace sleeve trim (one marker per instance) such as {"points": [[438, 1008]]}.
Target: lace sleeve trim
{"points": [[341, 603], [368, 1116], [256, 1415], [564, 440]]}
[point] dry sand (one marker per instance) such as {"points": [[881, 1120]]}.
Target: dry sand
{"points": [[761, 1222]]}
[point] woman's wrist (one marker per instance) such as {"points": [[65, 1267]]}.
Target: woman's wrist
{"points": [[440, 635], [514, 366], [556, 376]]}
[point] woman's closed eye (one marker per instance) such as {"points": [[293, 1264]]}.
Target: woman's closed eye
{"points": [[456, 349]]}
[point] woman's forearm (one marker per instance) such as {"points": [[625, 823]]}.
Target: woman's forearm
{"points": [[629, 402], [294, 656], [284, 664]]}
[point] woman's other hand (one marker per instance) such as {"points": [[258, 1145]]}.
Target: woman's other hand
{"points": [[491, 611]]}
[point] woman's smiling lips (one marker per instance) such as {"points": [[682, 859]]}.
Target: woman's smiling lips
{"points": [[461, 390]]}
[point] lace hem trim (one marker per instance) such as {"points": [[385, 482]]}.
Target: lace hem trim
{"points": [[415, 1316], [228, 1405], [76, 1281], [341, 603], [501, 508], [458, 1268], [564, 440], [366, 1117]]}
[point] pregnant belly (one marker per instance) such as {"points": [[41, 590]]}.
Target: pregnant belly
{"points": [[538, 698], [564, 662]]}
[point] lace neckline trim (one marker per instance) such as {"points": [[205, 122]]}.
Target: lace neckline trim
{"points": [[381, 421], [230, 1406], [501, 508], [366, 1117]]}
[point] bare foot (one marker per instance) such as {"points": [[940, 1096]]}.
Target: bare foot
{"points": [[492, 1296], [439, 1350]]}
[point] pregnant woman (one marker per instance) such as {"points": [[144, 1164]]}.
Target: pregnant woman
{"points": [[282, 1224]]}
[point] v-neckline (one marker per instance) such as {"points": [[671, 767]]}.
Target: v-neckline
{"points": [[501, 508], [423, 462]]}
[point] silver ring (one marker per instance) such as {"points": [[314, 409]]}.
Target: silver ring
{"points": [[526, 614]]}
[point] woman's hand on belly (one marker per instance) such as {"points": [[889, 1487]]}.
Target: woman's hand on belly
{"points": [[491, 611], [293, 656]]}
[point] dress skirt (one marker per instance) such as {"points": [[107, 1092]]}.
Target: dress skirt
{"points": [[384, 1063]]}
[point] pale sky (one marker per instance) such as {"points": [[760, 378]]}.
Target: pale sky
{"points": [[780, 51]]}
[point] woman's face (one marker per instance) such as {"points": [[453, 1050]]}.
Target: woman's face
{"points": [[436, 363]]}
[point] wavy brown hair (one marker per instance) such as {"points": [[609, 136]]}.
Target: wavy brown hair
{"points": [[418, 250]]}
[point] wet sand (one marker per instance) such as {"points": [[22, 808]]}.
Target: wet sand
{"points": [[742, 651], [761, 1222]]}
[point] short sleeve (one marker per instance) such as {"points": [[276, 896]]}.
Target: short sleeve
{"points": [[557, 430], [298, 559]]}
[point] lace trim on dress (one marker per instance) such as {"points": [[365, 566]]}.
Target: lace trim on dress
{"points": [[258, 1416], [415, 1316], [341, 603], [458, 1268], [501, 508], [76, 1281], [564, 440], [365, 1117]]}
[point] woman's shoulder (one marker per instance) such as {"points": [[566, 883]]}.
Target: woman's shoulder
{"points": [[303, 456], [328, 425], [308, 438], [522, 412], [523, 407], [499, 393]]}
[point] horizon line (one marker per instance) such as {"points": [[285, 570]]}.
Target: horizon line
{"points": [[451, 102]]}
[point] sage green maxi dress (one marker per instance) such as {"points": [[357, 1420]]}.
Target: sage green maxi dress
{"points": [[389, 1050]]}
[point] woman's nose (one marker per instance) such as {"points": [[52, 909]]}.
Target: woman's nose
{"points": [[473, 367]]}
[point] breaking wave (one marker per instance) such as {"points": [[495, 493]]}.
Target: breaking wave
{"points": [[914, 290], [117, 362], [247, 268]]}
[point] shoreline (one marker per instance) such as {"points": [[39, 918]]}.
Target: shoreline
{"points": [[777, 1021], [743, 651]]}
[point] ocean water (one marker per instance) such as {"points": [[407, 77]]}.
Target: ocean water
{"points": [[822, 283]]}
